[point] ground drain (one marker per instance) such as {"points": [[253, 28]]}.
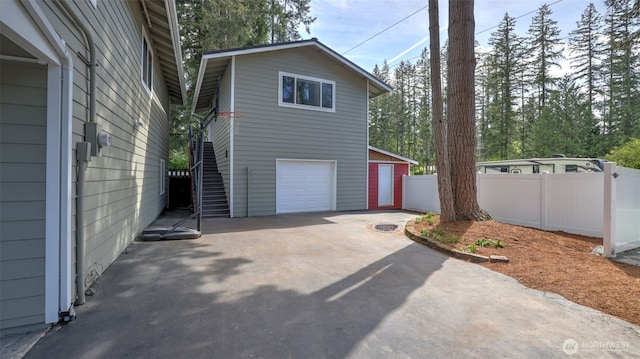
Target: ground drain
{"points": [[386, 227]]}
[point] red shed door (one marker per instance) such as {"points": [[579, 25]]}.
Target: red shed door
{"points": [[385, 185]]}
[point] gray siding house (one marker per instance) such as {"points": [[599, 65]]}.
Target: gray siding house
{"points": [[297, 138], [85, 90]]}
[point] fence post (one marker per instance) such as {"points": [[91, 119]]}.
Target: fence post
{"points": [[609, 215], [544, 190], [404, 191]]}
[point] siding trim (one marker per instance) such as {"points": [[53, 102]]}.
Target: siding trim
{"points": [[367, 167], [49, 47], [231, 133]]}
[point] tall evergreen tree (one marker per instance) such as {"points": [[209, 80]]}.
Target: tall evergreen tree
{"points": [[586, 51], [623, 62], [564, 125], [423, 71], [445, 191], [545, 51], [461, 140], [503, 67]]}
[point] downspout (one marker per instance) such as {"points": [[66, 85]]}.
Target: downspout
{"points": [[83, 159], [93, 63]]}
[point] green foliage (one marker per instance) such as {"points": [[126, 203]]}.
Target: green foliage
{"points": [[178, 160], [452, 238], [469, 248], [430, 221], [485, 242], [440, 235], [627, 155], [424, 216], [524, 109]]}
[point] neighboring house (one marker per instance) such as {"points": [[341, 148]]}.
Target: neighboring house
{"points": [[302, 141], [385, 178], [85, 90]]}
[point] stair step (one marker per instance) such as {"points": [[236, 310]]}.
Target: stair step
{"points": [[214, 197]]}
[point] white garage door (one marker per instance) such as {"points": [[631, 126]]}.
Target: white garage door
{"points": [[305, 186]]}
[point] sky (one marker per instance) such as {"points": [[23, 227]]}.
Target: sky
{"points": [[344, 24]]}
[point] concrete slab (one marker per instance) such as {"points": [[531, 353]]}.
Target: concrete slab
{"points": [[322, 286]]}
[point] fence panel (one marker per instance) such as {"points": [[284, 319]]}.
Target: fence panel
{"points": [[420, 193], [594, 204], [627, 207], [574, 203], [511, 198]]}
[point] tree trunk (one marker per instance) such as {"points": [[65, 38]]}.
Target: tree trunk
{"points": [[447, 213], [461, 139]]}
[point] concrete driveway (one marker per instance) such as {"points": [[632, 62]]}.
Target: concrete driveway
{"points": [[322, 286]]}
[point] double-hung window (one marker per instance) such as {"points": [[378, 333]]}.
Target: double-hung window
{"points": [[306, 92], [147, 64]]}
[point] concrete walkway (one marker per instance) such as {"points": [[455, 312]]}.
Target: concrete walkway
{"points": [[322, 286]]}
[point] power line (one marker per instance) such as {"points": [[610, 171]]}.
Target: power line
{"points": [[516, 18], [396, 23], [487, 29]]}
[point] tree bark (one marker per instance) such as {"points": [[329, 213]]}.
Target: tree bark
{"points": [[461, 139], [447, 213]]}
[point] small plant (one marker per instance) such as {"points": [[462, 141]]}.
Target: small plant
{"points": [[485, 242], [438, 231], [452, 238], [431, 221], [425, 216], [470, 248], [424, 232]]}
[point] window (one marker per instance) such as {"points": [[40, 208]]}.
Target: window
{"points": [[163, 170], [536, 168], [306, 92], [571, 168], [147, 64]]}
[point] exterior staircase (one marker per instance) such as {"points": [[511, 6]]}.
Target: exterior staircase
{"points": [[214, 198]]}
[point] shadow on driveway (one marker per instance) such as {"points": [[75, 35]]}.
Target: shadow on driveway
{"points": [[225, 297]]}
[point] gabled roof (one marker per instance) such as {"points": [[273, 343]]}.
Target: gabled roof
{"points": [[398, 157], [162, 22], [214, 63]]}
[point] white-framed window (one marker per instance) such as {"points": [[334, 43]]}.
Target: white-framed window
{"points": [[147, 64], [306, 92], [163, 175]]}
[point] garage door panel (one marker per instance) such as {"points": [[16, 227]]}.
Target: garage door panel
{"points": [[304, 186]]}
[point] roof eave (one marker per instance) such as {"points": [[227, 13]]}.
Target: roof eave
{"points": [[172, 15], [376, 88], [390, 154]]}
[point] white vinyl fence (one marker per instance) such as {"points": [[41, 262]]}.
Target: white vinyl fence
{"points": [[571, 202], [622, 212]]}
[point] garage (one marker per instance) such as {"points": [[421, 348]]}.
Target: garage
{"points": [[305, 186]]}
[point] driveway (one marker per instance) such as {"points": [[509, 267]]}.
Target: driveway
{"points": [[322, 286]]}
